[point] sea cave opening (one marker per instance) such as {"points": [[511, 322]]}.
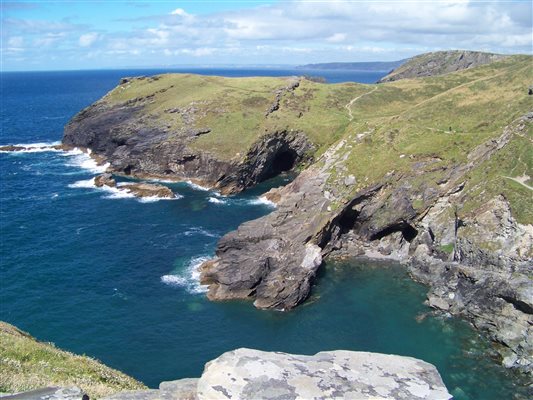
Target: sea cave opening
{"points": [[408, 231], [282, 162]]}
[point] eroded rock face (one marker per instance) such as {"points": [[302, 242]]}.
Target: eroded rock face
{"points": [[126, 136], [273, 259], [253, 374], [271, 155], [478, 267]]}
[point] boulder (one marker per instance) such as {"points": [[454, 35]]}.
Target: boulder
{"points": [[247, 374], [253, 374], [104, 180]]}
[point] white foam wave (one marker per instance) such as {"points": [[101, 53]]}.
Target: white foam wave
{"points": [[116, 193], [189, 278], [73, 152], [153, 199], [199, 231], [113, 192], [262, 201], [215, 200], [120, 192], [34, 147], [88, 183], [197, 187], [82, 160], [160, 180]]}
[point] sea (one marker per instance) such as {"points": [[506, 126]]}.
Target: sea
{"points": [[100, 273]]}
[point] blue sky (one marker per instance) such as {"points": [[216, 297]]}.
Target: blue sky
{"points": [[70, 34]]}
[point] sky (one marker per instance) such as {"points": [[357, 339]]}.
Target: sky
{"points": [[94, 34]]}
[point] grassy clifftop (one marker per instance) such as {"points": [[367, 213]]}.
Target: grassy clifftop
{"points": [[435, 123], [400, 126], [27, 364]]}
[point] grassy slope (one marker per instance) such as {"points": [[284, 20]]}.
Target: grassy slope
{"points": [[444, 116], [27, 364]]}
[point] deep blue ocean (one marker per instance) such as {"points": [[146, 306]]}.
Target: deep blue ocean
{"points": [[109, 276]]}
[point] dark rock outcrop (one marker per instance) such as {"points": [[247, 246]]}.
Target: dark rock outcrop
{"points": [[271, 155], [105, 180], [440, 62], [128, 137], [272, 259], [293, 84]]}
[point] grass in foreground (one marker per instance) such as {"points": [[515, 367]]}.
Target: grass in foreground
{"points": [[27, 364]]}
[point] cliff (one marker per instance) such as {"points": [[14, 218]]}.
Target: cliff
{"points": [[28, 364], [434, 173]]}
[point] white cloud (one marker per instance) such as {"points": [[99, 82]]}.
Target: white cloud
{"points": [[291, 31], [179, 11], [48, 39], [337, 37], [15, 42], [88, 39]]}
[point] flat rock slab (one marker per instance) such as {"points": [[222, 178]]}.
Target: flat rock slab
{"points": [[148, 190], [253, 374]]}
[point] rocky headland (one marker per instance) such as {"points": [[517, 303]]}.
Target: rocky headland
{"points": [[431, 172]]}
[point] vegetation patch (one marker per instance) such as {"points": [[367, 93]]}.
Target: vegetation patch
{"points": [[27, 364]]}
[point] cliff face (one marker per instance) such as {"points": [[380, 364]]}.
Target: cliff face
{"points": [[440, 62], [434, 173], [166, 127]]}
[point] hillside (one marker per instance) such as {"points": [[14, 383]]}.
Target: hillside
{"points": [[432, 172], [28, 364], [439, 63]]}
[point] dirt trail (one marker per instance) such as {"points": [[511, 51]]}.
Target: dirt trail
{"points": [[350, 103]]}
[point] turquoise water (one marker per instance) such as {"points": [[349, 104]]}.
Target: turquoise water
{"points": [[112, 277]]}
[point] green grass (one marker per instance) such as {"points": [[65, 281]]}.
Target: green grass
{"points": [[447, 248], [395, 126], [27, 364]]}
